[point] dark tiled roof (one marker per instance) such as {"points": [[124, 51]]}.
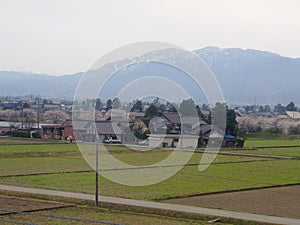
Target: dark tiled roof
{"points": [[192, 120], [172, 117], [175, 119], [108, 127], [103, 127], [67, 123], [77, 124], [206, 129]]}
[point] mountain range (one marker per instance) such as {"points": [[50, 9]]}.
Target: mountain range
{"points": [[245, 76]]}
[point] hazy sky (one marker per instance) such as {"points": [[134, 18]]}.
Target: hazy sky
{"points": [[68, 36]]}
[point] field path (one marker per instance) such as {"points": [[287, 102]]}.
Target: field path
{"points": [[250, 155], [156, 205]]}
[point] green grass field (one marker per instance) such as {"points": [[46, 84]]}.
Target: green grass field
{"points": [[273, 136], [251, 143], [33, 165], [33, 148], [218, 177], [65, 164], [60, 166], [4, 140], [294, 152], [32, 159]]}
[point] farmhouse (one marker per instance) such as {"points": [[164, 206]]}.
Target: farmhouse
{"points": [[8, 126], [57, 131], [182, 132], [108, 129], [183, 124], [53, 131], [173, 141], [83, 130], [293, 114]]}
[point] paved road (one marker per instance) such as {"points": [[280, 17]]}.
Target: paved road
{"points": [[156, 205]]}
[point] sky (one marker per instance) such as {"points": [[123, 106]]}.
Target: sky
{"points": [[68, 36]]}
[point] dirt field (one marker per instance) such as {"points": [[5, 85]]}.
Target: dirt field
{"points": [[15, 204], [281, 201], [31, 211]]}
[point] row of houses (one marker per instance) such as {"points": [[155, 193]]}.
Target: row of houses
{"points": [[64, 130], [6, 127], [31, 103], [170, 130], [82, 129]]}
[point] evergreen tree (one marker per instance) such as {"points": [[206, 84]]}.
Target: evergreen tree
{"points": [[109, 104], [187, 108], [171, 107], [231, 123], [151, 111], [137, 106], [279, 109], [291, 107], [116, 103], [98, 105]]}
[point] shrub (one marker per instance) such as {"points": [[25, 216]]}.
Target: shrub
{"points": [[21, 134], [36, 135], [294, 129]]}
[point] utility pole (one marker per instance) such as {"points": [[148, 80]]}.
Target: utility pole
{"points": [[38, 117], [97, 176], [255, 106], [22, 115]]}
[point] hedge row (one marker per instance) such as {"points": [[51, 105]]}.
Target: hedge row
{"points": [[18, 134]]}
